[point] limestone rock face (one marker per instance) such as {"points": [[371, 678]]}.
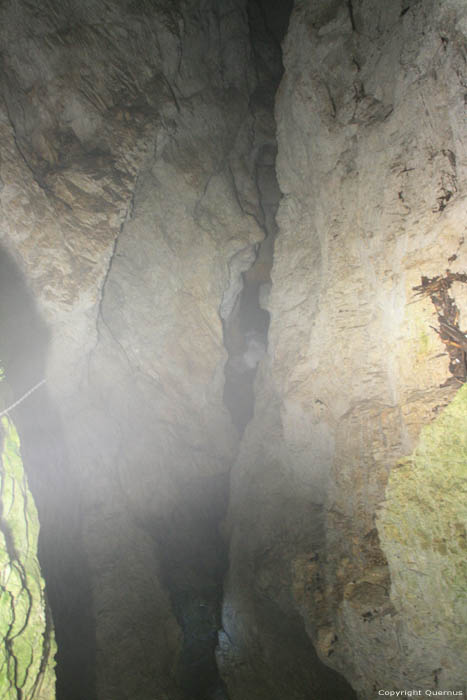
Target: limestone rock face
{"points": [[128, 154], [137, 182], [372, 167], [157, 375], [432, 480], [28, 646]]}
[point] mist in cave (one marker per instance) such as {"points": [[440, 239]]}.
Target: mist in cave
{"points": [[190, 549], [232, 331]]}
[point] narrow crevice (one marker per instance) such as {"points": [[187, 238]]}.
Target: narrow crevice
{"points": [[189, 545], [246, 326], [351, 15], [193, 563]]}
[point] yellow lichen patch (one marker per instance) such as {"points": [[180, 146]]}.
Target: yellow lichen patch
{"points": [[26, 655], [422, 527]]}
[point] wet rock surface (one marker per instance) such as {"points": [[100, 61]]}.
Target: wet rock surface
{"points": [[28, 644]]}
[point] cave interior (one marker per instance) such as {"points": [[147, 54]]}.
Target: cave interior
{"points": [[140, 448]]}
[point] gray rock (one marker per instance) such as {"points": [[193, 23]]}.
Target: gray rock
{"points": [[371, 163]]}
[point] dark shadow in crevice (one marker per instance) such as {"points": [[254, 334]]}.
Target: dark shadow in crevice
{"points": [[245, 337], [276, 15], [291, 649], [193, 562], [246, 327], [24, 340]]}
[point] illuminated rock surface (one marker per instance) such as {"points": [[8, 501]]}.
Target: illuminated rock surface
{"points": [[423, 532], [216, 460], [28, 646], [372, 166]]}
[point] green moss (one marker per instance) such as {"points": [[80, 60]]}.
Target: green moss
{"points": [[422, 528], [27, 652]]}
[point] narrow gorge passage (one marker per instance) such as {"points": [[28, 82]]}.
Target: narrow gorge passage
{"points": [[190, 547], [233, 268], [247, 321], [246, 326], [184, 541]]}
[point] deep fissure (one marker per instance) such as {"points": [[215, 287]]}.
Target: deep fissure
{"points": [[189, 546], [228, 436], [246, 326], [192, 550]]}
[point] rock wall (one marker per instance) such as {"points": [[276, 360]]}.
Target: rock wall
{"points": [[129, 201], [23, 347], [372, 167], [136, 184], [432, 480], [28, 645]]}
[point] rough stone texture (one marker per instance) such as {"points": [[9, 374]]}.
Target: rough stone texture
{"points": [[246, 326], [372, 167], [28, 646], [128, 168], [23, 348], [79, 109], [158, 373], [136, 157], [427, 555]]}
